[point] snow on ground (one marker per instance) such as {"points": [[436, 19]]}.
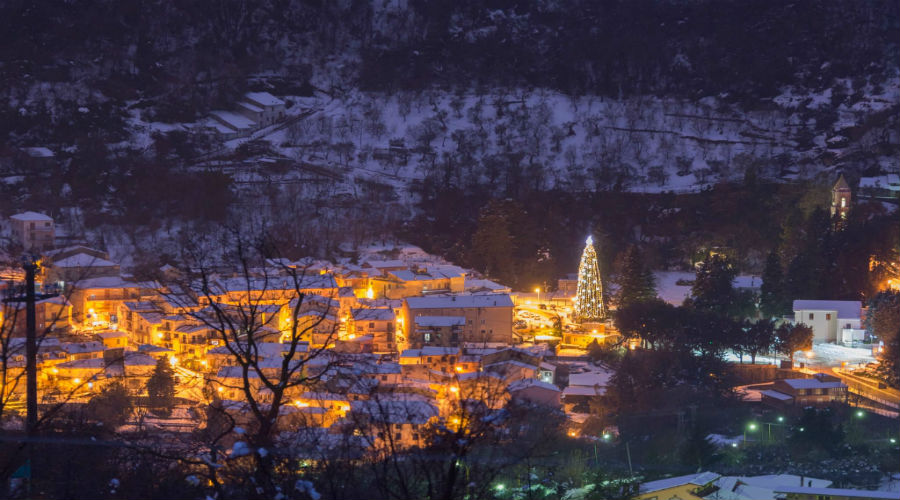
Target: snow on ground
{"points": [[821, 355]]}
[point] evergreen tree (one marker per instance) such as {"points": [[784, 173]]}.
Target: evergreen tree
{"points": [[772, 301], [890, 360], [713, 287], [797, 283], [636, 282], [589, 303], [884, 314], [112, 406], [492, 245], [161, 388], [698, 449]]}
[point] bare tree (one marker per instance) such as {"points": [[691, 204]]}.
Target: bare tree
{"points": [[249, 298]]}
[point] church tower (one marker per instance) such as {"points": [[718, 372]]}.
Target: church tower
{"points": [[840, 200]]}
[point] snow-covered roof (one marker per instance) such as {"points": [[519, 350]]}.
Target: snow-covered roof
{"points": [[813, 383], [526, 383], [384, 264], [139, 359], [396, 411], [700, 479], [234, 120], [460, 301], [372, 314], [39, 152], [836, 492], [846, 309], [438, 351], [112, 335], [104, 282], [250, 107], [242, 284], [582, 390], [263, 99], [31, 217], [590, 379], [82, 347], [486, 284], [84, 363], [778, 480], [887, 181], [440, 321], [83, 260], [776, 395], [153, 348]]}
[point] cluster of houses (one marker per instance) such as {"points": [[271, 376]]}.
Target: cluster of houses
{"points": [[389, 342], [404, 337]]}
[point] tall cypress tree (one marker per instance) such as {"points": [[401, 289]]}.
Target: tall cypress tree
{"points": [[772, 299], [161, 388], [713, 288], [636, 282]]}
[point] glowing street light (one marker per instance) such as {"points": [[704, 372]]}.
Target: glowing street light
{"points": [[538, 292], [750, 427]]}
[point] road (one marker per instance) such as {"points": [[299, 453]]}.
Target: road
{"points": [[869, 388]]}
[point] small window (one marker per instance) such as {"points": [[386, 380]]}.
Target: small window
{"points": [[384, 378], [811, 316], [398, 437], [371, 324], [827, 316]]}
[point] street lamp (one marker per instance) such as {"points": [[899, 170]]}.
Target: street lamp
{"points": [[538, 292], [750, 427]]}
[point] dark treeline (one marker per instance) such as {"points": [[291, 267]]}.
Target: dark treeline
{"points": [[534, 237], [184, 57]]}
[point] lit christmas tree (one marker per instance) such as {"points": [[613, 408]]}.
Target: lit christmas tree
{"points": [[589, 297]]}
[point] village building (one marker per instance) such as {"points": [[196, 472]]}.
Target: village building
{"points": [[831, 320], [33, 230], [820, 390], [488, 318]]}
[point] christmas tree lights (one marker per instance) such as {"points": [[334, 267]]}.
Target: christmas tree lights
{"points": [[589, 295]]}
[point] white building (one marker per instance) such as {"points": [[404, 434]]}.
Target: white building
{"points": [[33, 230], [831, 320], [262, 107]]}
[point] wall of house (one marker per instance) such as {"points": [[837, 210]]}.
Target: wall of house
{"points": [[824, 323], [483, 324]]}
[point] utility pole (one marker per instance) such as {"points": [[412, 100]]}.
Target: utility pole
{"points": [[628, 454], [30, 267]]}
